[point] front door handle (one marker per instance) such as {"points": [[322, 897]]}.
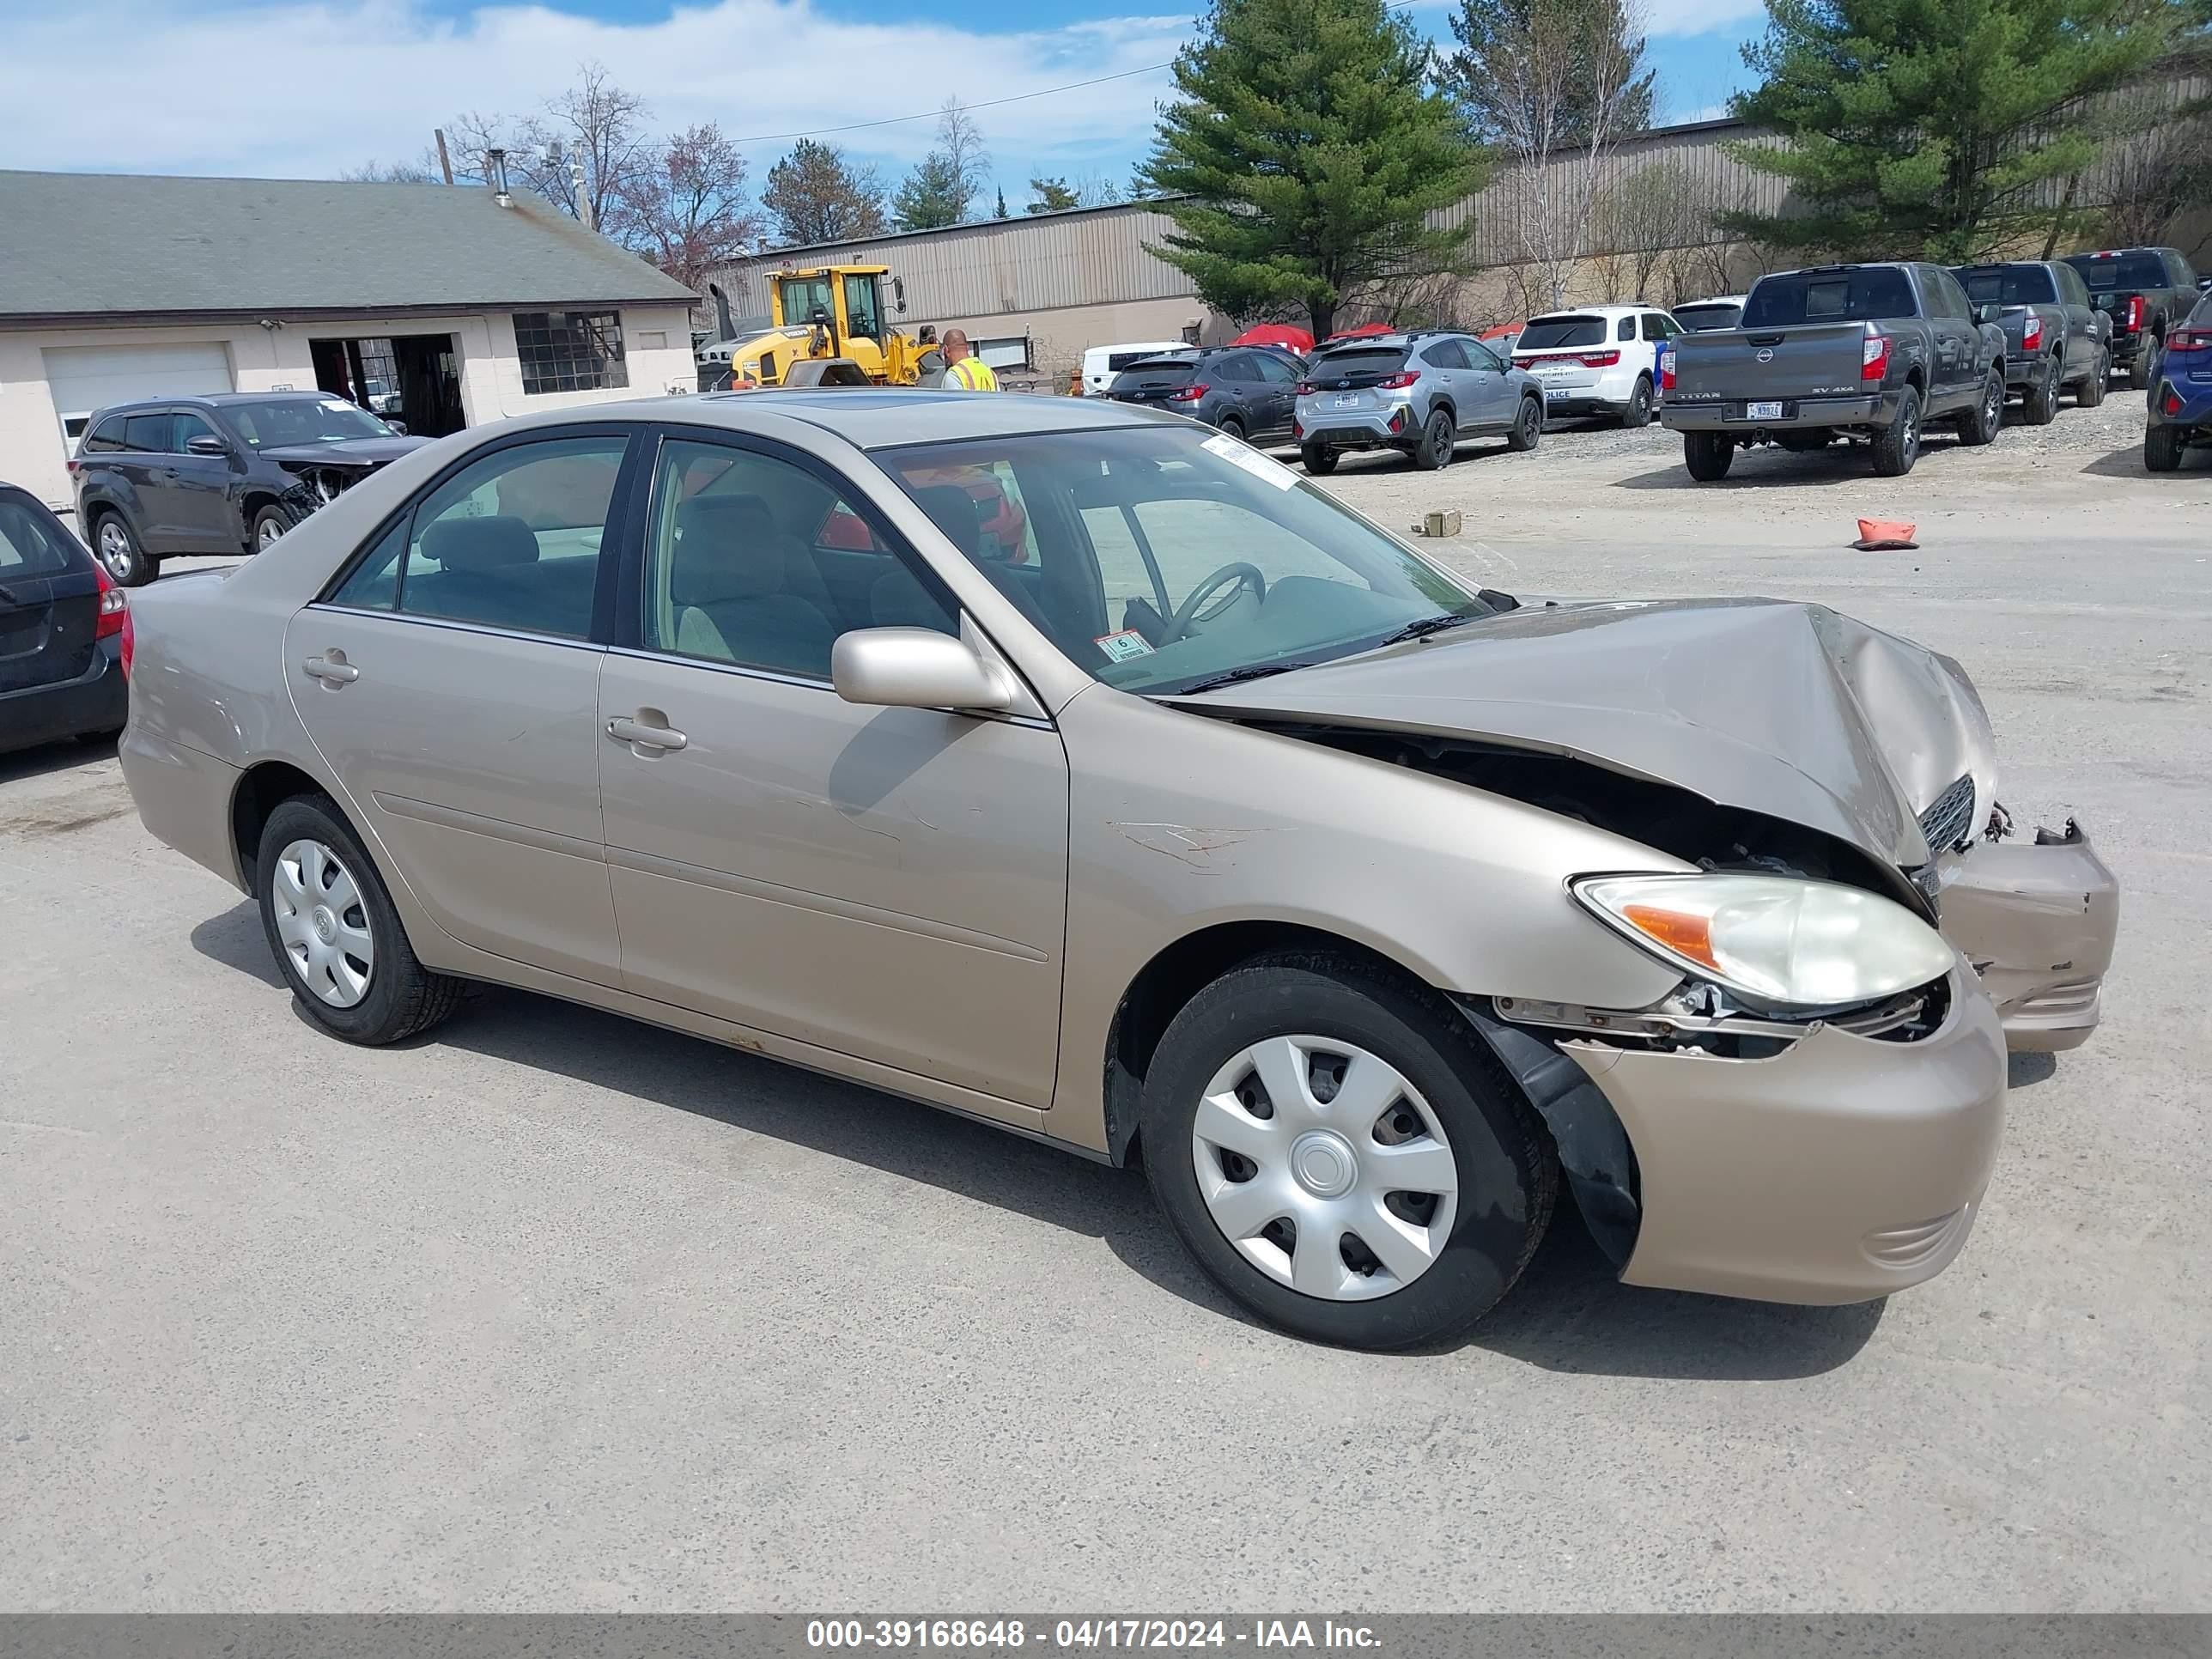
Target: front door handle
{"points": [[623, 729], [333, 670]]}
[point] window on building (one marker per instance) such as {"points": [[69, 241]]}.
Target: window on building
{"points": [[570, 351]]}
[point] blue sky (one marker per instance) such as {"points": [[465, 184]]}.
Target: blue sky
{"points": [[334, 83]]}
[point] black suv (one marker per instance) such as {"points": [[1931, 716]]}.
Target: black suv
{"points": [[223, 474], [1247, 391]]}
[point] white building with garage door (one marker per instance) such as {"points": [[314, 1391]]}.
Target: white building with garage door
{"points": [[438, 305]]}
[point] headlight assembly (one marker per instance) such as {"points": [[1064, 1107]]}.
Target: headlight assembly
{"points": [[1773, 939]]}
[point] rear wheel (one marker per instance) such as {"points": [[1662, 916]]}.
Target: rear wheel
{"points": [[1638, 412], [1232, 425], [2145, 365], [2092, 392], [1708, 455], [2162, 449], [2040, 406], [332, 928], [1528, 428], [1435, 453], [1983, 421], [128, 563], [1897, 446], [1317, 459], [1341, 1153]]}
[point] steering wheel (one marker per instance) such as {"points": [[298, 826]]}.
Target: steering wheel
{"points": [[1186, 614]]}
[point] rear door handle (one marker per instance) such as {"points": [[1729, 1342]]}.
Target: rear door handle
{"points": [[623, 729], [333, 670]]}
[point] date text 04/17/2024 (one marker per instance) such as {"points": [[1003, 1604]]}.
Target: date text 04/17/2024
{"points": [[989, 1634]]}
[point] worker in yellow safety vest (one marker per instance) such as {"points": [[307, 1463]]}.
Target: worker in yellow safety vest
{"points": [[964, 371]]}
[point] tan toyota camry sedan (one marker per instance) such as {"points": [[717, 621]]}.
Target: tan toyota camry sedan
{"points": [[1073, 767]]}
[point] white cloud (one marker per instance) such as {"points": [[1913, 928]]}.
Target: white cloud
{"points": [[1676, 17], [308, 90]]}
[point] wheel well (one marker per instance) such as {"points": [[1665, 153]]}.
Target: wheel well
{"points": [[260, 793], [1912, 378], [1443, 406], [257, 499], [1177, 974]]}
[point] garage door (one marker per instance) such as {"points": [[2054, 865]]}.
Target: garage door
{"points": [[84, 378]]}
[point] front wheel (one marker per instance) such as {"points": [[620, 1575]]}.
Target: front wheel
{"points": [[1435, 452], [270, 524], [332, 928], [1528, 428], [1638, 412], [2093, 387], [1897, 446], [1317, 459], [1341, 1154], [1979, 424], [128, 563], [2162, 449], [1708, 455], [2040, 406]]}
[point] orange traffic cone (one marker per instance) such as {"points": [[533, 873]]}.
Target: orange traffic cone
{"points": [[1882, 535]]}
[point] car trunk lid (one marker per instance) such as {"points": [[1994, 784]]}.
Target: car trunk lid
{"points": [[1776, 364]]}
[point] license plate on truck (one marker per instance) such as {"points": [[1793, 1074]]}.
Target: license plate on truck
{"points": [[1762, 411]]}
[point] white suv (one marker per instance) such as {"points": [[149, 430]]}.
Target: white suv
{"points": [[1101, 363], [1597, 360]]}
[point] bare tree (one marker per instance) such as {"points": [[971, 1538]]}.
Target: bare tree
{"points": [[422, 171], [1096, 189], [689, 212], [1556, 84], [2154, 179], [1646, 217], [961, 143], [602, 125]]}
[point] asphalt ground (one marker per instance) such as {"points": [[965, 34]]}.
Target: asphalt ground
{"points": [[549, 1311]]}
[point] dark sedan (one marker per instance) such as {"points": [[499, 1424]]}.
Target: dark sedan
{"points": [[64, 631], [1248, 391], [224, 474]]}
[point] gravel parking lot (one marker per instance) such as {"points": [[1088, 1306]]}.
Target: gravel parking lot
{"points": [[551, 1311]]}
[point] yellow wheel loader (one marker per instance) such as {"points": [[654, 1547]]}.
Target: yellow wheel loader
{"points": [[831, 311]]}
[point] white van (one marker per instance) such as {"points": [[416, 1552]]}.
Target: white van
{"points": [[1101, 363]]}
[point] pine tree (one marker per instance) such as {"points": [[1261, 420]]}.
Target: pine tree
{"points": [[1928, 128], [814, 196], [1051, 196], [1310, 146], [1002, 213], [933, 195]]}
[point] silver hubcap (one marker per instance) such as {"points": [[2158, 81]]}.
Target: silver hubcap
{"points": [[114, 547], [271, 532], [322, 923], [1324, 1168]]}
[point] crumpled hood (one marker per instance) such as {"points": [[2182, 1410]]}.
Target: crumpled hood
{"points": [[346, 451], [1773, 706]]}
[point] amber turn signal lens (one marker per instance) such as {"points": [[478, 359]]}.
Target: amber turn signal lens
{"points": [[1685, 935]]}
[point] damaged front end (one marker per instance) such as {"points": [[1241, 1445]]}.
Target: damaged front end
{"points": [[315, 485], [2037, 920]]}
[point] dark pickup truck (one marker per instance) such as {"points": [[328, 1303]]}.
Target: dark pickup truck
{"points": [[2054, 336], [2145, 291], [1870, 353]]}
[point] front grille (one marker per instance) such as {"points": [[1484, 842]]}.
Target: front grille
{"points": [[1949, 820]]}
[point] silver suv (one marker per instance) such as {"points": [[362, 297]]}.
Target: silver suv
{"points": [[1418, 393]]}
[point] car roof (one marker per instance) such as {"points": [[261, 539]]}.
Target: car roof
{"points": [[1636, 310], [1710, 300], [881, 416], [211, 400]]}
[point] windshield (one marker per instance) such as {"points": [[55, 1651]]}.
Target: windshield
{"points": [[1829, 296], [2010, 285], [1554, 333], [284, 421], [2104, 272], [1702, 319], [1160, 559]]}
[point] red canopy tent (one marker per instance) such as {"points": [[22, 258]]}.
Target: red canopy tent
{"points": [[1276, 334], [1365, 330]]}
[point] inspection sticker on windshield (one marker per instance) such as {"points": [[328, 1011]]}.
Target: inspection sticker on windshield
{"points": [[1121, 647], [1251, 460]]}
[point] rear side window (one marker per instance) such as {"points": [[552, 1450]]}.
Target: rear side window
{"points": [[1234, 369], [151, 434], [511, 541], [2105, 271], [1554, 333], [1446, 354], [105, 438], [1280, 370], [31, 543], [1824, 296]]}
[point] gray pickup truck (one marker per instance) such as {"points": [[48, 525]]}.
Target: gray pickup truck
{"points": [[2055, 335], [1871, 353], [2145, 291]]}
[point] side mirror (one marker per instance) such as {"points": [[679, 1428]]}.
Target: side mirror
{"points": [[206, 443], [914, 668], [400, 427]]}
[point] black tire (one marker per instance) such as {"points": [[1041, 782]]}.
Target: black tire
{"points": [[1527, 429], [1435, 452], [1232, 426], [1708, 455], [1508, 1175], [1638, 412], [2144, 365], [1979, 424], [2092, 392], [2162, 449], [2040, 406], [1897, 446], [1317, 459], [272, 515], [403, 997], [116, 546]]}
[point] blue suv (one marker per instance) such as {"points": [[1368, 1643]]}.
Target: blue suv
{"points": [[2181, 401]]}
